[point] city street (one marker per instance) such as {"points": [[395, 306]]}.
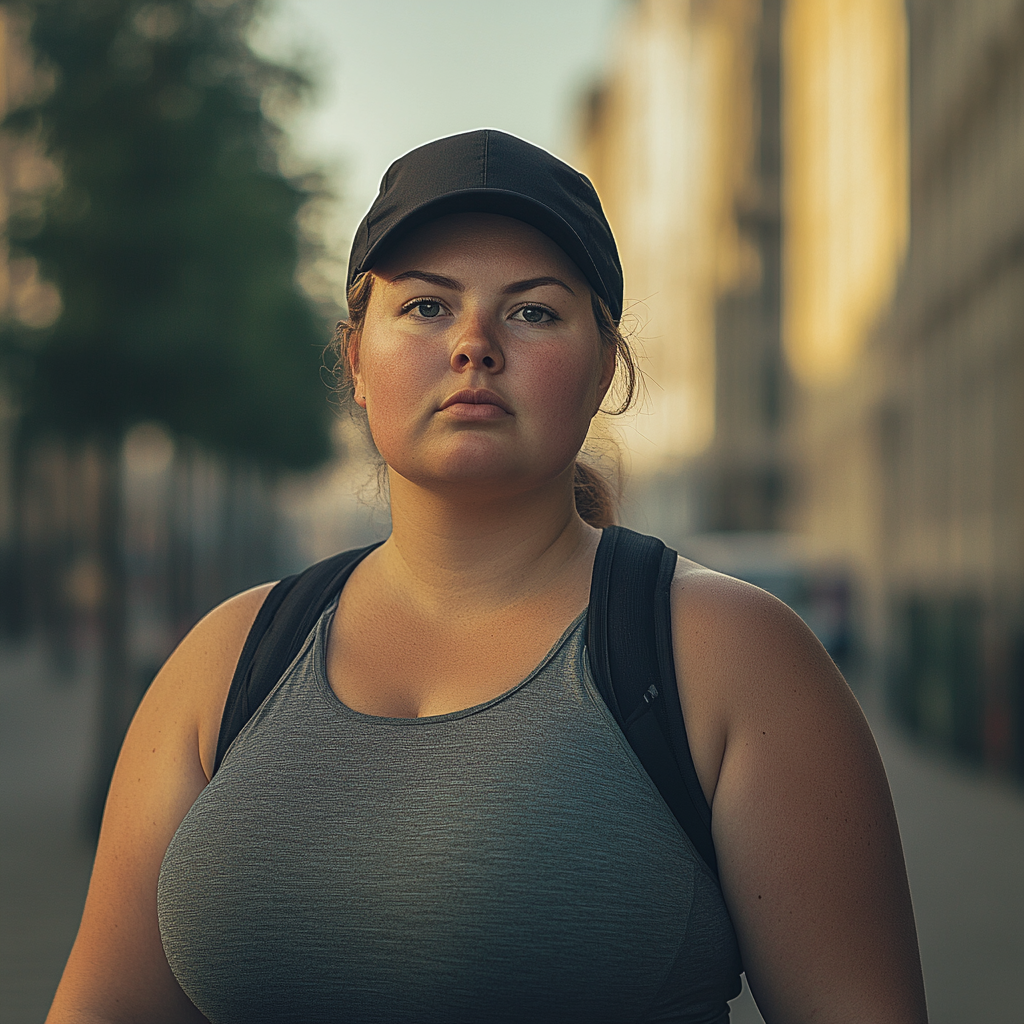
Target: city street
{"points": [[963, 834]]}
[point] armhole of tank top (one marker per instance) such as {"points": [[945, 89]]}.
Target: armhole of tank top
{"points": [[594, 695]]}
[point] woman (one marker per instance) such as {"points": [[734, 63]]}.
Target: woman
{"points": [[432, 817]]}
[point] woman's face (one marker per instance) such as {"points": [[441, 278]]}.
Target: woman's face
{"points": [[480, 360]]}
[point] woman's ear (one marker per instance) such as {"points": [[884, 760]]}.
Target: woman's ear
{"points": [[358, 390], [607, 374]]}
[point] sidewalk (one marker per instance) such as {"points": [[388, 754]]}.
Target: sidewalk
{"points": [[44, 868], [46, 729], [963, 835]]}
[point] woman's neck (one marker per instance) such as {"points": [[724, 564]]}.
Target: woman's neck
{"points": [[453, 555]]}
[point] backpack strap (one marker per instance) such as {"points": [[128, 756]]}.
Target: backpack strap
{"points": [[629, 641], [280, 628]]}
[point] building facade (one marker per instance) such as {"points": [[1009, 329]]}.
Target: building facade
{"points": [[819, 205], [666, 139], [912, 458], [952, 423], [744, 479]]}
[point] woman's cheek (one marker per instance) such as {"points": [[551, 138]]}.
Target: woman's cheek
{"points": [[565, 394], [396, 391], [391, 428]]}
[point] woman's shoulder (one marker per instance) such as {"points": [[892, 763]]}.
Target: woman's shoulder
{"points": [[199, 672], [805, 833], [744, 661], [732, 620]]}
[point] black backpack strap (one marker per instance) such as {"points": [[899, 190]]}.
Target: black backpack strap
{"points": [[629, 641], [280, 628]]}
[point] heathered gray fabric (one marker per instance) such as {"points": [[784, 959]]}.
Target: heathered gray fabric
{"points": [[507, 863]]}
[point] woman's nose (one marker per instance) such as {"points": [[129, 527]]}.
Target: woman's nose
{"points": [[477, 348]]}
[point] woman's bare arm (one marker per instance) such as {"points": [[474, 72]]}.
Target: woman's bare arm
{"points": [[117, 972], [806, 836]]}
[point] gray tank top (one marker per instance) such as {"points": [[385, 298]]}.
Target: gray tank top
{"points": [[511, 862]]}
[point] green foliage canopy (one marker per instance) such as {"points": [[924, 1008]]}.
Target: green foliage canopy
{"points": [[172, 237]]}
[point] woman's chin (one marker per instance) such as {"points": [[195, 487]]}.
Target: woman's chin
{"points": [[476, 478], [478, 464]]}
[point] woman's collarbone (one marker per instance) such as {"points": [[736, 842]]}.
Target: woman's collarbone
{"points": [[399, 667]]}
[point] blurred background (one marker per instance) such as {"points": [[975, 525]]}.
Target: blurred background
{"points": [[821, 218]]}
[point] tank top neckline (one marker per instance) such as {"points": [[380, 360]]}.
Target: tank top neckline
{"points": [[318, 660]]}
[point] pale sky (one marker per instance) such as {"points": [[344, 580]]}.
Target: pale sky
{"points": [[393, 74]]}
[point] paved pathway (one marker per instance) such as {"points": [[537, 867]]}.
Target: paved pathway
{"points": [[963, 837], [963, 834], [46, 725]]}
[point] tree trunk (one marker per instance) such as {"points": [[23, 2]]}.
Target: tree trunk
{"points": [[117, 696]]}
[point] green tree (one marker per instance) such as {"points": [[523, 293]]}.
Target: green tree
{"points": [[172, 239]]}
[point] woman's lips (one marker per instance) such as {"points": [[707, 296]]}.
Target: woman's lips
{"points": [[472, 411], [475, 404]]}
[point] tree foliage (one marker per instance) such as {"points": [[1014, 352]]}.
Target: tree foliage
{"points": [[172, 236]]}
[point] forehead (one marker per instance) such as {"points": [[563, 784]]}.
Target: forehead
{"points": [[485, 241]]}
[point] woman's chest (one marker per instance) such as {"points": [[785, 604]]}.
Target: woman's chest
{"points": [[510, 864]]}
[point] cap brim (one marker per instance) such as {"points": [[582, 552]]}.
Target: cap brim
{"points": [[488, 200]]}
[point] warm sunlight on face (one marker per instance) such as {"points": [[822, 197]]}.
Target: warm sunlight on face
{"points": [[480, 361]]}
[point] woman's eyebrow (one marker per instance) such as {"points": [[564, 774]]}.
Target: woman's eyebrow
{"points": [[440, 281], [436, 279], [534, 282]]}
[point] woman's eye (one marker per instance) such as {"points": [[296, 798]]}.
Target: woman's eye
{"points": [[429, 310], [534, 314]]}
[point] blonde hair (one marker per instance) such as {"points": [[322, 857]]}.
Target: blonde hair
{"points": [[596, 499]]}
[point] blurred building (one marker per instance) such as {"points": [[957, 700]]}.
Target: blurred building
{"points": [[683, 142], [949, 420], [819, 209], [909, 419], [954, 428], [744, 479], [911, 422], [668, 138], [846, 217]]}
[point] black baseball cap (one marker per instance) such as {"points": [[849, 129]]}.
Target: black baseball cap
{"points": [[488, 171]]}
